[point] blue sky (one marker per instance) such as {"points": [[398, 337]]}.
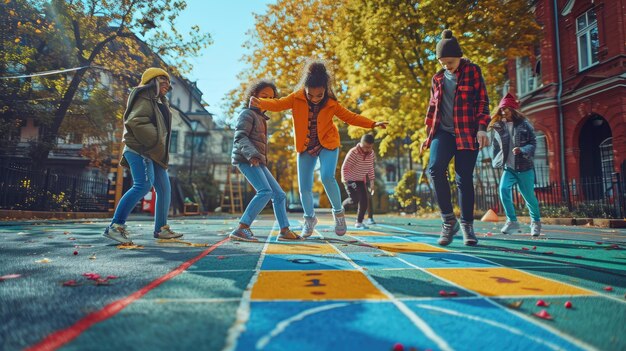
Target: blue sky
{"points": [[227, 21]]}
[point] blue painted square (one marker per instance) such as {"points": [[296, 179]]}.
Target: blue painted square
{"points": [[485, 326], [377, 261], [339, 325], [444, 260], [305, 263]]}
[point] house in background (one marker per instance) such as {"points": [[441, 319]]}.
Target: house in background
{"points": [[574, 90]]}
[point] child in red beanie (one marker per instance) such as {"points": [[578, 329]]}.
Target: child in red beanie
{"points": [[514, 150]]}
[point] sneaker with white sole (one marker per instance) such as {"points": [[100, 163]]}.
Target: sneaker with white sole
{"points": [[448, 230], [535, 228], [167, 233], [289, 235], [511, 227], [118, 233], [469, 237], [340, 223], [359, 225], [243, 234], [309, 226], [370, 221]]}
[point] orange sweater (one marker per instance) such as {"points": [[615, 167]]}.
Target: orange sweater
{"points": [[326, 129]]}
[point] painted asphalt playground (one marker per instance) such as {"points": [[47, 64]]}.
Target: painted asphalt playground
{"points": [[63, 286]]}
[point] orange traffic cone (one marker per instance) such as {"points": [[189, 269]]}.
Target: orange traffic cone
{"points": [[489, 216]]}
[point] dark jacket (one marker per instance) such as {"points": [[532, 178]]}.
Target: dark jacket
{"points": [[523, 137], [250, 137], [146, 130]]}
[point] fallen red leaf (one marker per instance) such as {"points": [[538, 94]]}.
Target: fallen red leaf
{"points": [[70, 283], [443, 293], [543, 314], [608, 288], [541, 303], [568, 304], [548, 253], [112, 277], [525, 248], [75, 253]]}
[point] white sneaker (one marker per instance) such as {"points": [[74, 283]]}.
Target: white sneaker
{"points": [[511, 227], [167, 233], [360, 225], [309, 226], [340, 223], [118, 233], [535, 228], [370, 221]]}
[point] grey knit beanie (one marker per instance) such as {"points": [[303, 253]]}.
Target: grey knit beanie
{"points": [[448, 46]]}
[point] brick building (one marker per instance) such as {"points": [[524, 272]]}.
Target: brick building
{"points": [[574, 89]]}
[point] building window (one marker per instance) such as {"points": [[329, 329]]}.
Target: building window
{"points": [[527, 80], [542, 169], [587, 39], [174, 142]]}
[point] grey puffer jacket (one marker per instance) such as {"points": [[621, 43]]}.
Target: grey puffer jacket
{"points": [[523, 137], [250, 137]]}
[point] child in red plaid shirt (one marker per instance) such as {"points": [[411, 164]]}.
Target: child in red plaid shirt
{"points": [[456, 124]]}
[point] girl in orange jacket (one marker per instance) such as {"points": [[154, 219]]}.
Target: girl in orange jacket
{"points": [[313, 106]]}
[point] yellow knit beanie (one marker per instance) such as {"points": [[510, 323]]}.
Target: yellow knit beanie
{"points": [[152, 72]]}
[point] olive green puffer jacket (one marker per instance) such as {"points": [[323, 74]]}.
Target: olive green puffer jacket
{"points": [[146, 130]]}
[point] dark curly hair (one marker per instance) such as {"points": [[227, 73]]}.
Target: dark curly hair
{"points": [[316, 75], [256, 87]]}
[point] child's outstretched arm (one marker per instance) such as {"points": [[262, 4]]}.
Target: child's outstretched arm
{"points": [[274, 105], [356, 119]]}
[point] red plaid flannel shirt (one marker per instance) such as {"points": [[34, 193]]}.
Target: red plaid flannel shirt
{"points": [[471, 105]]}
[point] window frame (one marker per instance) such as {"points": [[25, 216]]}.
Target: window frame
{"points": [[586, 33]]}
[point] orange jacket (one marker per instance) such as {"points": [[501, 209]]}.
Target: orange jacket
{"points": [[327, 131]]}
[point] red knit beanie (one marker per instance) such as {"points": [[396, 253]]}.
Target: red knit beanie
{"points": [[509, 101]]}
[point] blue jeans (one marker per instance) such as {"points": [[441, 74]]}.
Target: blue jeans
{"points": [[145, 174], [266, 188], [328, 165], [442, 149], [526, 183]]}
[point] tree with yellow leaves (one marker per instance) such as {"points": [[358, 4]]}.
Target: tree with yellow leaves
{"points": [[90, 36]]}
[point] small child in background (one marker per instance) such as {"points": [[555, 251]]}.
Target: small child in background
{"points": [[357, 168], [514, 145]]}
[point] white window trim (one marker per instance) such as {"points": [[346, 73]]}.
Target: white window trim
{"points": [[537, 83], [587, 33]]}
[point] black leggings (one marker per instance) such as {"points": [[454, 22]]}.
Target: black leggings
{"points": [[357, 194]]}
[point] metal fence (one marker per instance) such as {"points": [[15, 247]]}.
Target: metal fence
{"points": [[597, 197], [24, 189]]}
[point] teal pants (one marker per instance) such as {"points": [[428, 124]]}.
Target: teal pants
{"points": [[526, 184]]}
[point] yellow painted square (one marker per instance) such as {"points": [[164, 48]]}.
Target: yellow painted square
{"points": [[408, 247], [304, 249], [505, 281], [314, 285]]}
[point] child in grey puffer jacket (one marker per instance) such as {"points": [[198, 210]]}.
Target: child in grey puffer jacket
{"points": [[250, 156]]}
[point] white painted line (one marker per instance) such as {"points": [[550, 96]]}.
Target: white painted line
{"points": [[417, 321], [284, 324], [243, 311], [492, 323]]}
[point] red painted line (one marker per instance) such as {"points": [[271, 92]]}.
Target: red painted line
{"points": [[61, 337]]}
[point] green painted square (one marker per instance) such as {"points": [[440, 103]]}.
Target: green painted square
{"points": [[405, 283], [214, 262], [203, 285], [583, 321], [152, 325]]}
